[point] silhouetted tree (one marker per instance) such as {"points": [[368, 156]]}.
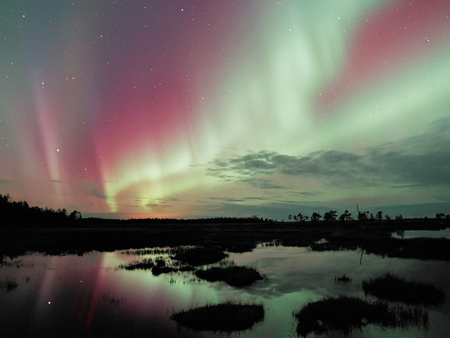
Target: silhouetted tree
{"points": [[362, 215], [5, 199], [315, 217], [379, 216], [74, 215], [345, 216], [440, 215], [301, 218], [21, 215], [330, 216]]}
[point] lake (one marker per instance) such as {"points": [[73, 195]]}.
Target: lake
{"points": [[88, 296]]}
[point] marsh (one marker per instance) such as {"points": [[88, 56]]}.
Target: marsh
{"points": [[88, 295]]}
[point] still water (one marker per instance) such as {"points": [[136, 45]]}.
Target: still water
{"points": [[88, 296], [422, 233]]}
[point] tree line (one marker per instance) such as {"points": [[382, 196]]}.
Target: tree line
{"points": [[20, 215], [346, 216], [14, 215]]}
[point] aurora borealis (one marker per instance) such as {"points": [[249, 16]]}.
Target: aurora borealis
{"points": [[192, 109]]}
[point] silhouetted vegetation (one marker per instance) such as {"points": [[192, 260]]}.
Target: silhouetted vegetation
{"points": [[315, 217], [379, 216], [346, 216], [238, 276], [161, 267], [158, 266], [201, 256], [363, 217], [45, 230], [225, 317], [298, 218], [348, 313], [330, 216], [393, 288], [342, 279], [20, 215], [144, 264], [380, 243], [237, 247]]}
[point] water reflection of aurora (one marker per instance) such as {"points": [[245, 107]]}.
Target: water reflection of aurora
{"points": [[88, 295]]}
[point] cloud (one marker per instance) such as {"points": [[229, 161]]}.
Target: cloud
{"points": [[238, 200], [262, 183], [163, 203], [257, 169], [419, 160]]}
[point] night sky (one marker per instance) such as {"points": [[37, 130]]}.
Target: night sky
{"points": [[208, 108]]}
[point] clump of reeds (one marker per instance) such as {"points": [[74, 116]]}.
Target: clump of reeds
{"points": [[238, 247], [224, 317], [348, 313], [142, 264], [343, 279], [146, 251], [238, 276], [201, 256], [158, 266], [393, 288], [161, 267]]}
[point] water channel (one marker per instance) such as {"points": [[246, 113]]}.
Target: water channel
{"points": [[88, 296]]}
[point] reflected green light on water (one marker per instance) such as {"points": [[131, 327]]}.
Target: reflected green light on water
{"points": [[86, 296], [422, 233]]}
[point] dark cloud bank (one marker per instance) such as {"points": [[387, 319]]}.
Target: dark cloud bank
{"points": [[418, 162]]}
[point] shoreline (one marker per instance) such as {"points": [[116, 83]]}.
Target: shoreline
{"points": [[234, 237]]}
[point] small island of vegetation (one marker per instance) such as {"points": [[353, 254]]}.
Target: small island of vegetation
{"points": [[393, 288], [348, 313], [238, 276], [224, 317]]}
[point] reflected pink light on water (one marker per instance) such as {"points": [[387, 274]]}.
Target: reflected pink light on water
{"points": [[87, 296], [62, 274]]}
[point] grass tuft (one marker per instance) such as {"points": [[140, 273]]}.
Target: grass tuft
{"points": [[238, 276], [224, 317], [348, 313], [342, 279], [393, 288], [201, 256], [143, 264]]}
